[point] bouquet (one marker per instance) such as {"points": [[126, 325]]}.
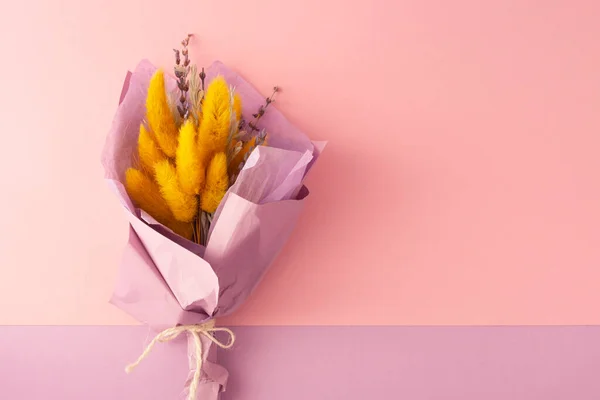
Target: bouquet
{"points": [[211, 177]]}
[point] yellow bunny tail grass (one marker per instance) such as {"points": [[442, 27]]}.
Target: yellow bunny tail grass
{"points": [[183, 206], [237, 106], [184, 229], [159, 116], [217, 183], [146, 195], [190, 169], [216, 115], [205, 150], [148, 151]]}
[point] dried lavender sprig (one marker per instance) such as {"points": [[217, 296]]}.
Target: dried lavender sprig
{"points": [[261, 137], [262, 109], [181, 73], [185, 42], [183, 85], [202, 77]]}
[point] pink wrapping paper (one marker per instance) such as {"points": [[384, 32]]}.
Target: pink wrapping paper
{"points": [[166, 280]]}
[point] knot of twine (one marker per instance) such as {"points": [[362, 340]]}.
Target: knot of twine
{"points": [[206, 329]]}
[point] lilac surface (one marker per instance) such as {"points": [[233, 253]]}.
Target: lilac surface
{"points": [[317, 363]]}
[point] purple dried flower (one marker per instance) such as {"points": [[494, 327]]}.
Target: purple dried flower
{"points": [[252, 126], [261, 110], [202, 77]]}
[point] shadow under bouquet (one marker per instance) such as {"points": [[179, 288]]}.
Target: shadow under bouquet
{"points": [[211, 177]]}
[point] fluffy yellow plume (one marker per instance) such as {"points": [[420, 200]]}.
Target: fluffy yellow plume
{"points": [[216, 116], [190, 169], [148, 151], [146, 195], [237, 106], [159, 116], [217, 183], [183, 206], [205, 147], [184, 229]]}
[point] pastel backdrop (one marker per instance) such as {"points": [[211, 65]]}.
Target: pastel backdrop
{"points": [[461, 184]]}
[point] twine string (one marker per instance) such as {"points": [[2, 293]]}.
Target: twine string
{"points": [[206, 329]]}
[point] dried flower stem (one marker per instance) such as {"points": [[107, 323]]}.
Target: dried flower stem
{"points": [[194, 231], [195, 94], [232, 127], [202, 226]]}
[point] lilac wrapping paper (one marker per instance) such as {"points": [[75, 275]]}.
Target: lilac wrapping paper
{"points": [[166, 280]]}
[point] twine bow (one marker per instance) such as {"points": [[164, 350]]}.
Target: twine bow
{"points": [[206, 329]]}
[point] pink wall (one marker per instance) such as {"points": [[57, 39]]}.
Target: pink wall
{"points": [[461, 184]]}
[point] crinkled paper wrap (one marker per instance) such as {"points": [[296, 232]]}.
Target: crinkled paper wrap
{"points": [[165, 280]]}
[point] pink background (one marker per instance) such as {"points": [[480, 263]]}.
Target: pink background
{"points": [[460, 185]]}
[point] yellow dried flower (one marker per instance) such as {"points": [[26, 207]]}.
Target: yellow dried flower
{"points": [[205, 148], [183, 205], [237, 106], [183, 229], [217, 183], [190, 170], [159, 116], [146, 195], [216, 116], [148, 151]]}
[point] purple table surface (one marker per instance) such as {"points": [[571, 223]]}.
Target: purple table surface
{"points": [[294, 363]]}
